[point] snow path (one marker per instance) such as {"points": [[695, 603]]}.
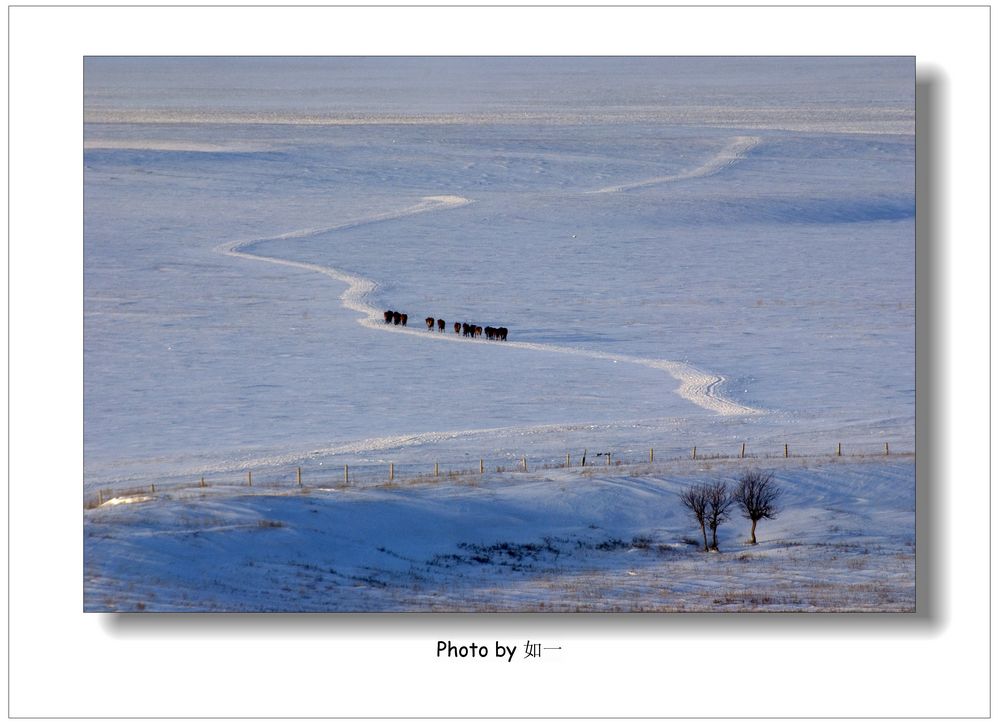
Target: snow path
{"points": [[696, 386], [735, 150], [373, 445]]}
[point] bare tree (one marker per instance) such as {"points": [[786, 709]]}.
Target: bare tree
{"points": [[757, 493], [695, 499], [719, 502]]}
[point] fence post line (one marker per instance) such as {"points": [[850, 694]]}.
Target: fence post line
{"points": [[482, 466], [785, 449], [249, 478], [524, 460], [886, 448], [742, 453], [437, 470], [652, 455], [391, 472], [839, 449], [693, 455], [346, 474], [568, 464], [298, 475]]}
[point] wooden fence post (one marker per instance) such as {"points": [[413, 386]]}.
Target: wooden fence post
{"points": [[524, 460], [742, 453], [886, 448], [839, 449], [391, 472], [100, 497], [608, 459], [693, 455], [652, 455], [437, 470], [785, 449], [482, 466], [203, 481], [298, 475], [346, 475], [152, 488], [249, 478], [583, 463]]}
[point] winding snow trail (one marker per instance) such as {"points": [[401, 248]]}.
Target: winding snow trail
{"points": [[696, 386], [357, 287], [735, 150]]}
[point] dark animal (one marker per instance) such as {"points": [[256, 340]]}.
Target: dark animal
{"points": [[466, 329], [440, 325], [457, 327], [430, 323], [396, 318], [405, 318], [490, 332], [478, 332], [388, 316], [501, 333]]}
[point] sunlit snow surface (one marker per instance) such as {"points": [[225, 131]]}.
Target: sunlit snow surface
{"points": [[685, 251]]}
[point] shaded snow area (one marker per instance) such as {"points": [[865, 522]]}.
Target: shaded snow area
{"points": [[547, 541]]}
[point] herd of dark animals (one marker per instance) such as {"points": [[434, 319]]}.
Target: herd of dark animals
{"points": [[396, 318], [463, 328], [468, 330]]}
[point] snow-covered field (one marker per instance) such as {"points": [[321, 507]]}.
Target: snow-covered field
{"points": [[687, 252], [546, 541]]}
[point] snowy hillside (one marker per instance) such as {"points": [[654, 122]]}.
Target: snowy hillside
{"points": [[547, 541]]}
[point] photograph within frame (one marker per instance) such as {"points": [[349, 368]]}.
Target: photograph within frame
{"points": [[693, 277]]}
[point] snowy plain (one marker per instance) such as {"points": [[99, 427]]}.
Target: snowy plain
{"points": [[687, 252]]}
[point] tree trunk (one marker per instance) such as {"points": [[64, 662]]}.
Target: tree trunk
{"points": [[753, 534], [705, 534], [714, 538]]}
